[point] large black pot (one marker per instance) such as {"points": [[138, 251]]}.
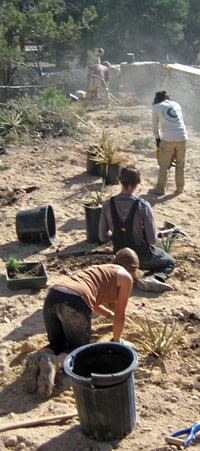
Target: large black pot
{"points": [[36, 225], [103, 384]]}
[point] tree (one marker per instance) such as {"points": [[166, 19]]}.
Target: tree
{"points": [[46, 24], [155, 27], [192, 38]]}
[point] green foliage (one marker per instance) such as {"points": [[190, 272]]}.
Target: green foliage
{"points": [[167, 241], [48, 114], [47, 25], [53, 99], [10, 122], [96, 197], [30, 111], [106, 151], [142, 143], [91, 57], [58, 125], [8, 53], [13, 264], [60, 27], [159, 340]]}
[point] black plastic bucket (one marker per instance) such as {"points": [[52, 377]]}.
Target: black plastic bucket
{"points": [[103, 384], [92, 217], [36, 225], [110, 173], [92, 166]]}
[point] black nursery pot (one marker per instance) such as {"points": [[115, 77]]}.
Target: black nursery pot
{"points": [[36, 225], [102, 376], [110, 173], [92, 218], [92, 166]]}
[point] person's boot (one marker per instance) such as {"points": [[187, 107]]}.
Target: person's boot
{"points": [[48, 366], [151, 284], [157, 191], [161, 276], [31, 372]]}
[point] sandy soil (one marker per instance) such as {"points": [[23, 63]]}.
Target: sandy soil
{"points": [[54, 172]]}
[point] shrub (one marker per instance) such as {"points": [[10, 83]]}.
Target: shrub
{"points": [[48, 113], [53, 99], [142, 143]]}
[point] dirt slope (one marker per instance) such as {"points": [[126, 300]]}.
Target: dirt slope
{"points": [[54, 172]]}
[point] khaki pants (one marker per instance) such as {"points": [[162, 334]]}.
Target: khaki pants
{"points": [[167, 151], [94, 84]]}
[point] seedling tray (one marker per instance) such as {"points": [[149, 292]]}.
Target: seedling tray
{"points": [[29, 275]]}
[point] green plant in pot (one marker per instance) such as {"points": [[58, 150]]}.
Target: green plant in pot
{"points": [[92, 165], [93, 205], [107, 155]]}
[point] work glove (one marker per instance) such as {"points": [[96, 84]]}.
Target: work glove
{"points": [[158, 142]]}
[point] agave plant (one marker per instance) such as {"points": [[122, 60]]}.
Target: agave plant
{"points": [[10, 121], [159, 341]]}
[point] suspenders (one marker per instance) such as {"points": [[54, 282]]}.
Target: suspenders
{"points": [[122, 231]]}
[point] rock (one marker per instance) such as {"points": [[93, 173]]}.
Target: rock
{"points": [[27, 347], [173, 399], [11, 441]]}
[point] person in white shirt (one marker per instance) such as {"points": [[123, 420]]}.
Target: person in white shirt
{"points": [[171, 138], [99, 55]]}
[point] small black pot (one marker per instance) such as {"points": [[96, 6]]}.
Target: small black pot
{"points": [[92, 218], [110, 173], [92, 166]]}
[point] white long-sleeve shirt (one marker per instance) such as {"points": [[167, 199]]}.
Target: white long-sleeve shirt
{"points": [[167, 121]]}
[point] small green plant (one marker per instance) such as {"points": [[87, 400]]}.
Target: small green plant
{"points": [[13, 264], [13, 267], [96, 197], [167, 241], [142, 143], [159, 341], [106, 151], [10, 122]]}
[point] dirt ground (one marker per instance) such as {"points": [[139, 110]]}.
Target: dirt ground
{"points": [[53, 172]]}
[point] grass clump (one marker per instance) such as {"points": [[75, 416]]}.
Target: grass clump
{"points": [[142, 143], [168, 241], [159, 340]]}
